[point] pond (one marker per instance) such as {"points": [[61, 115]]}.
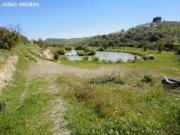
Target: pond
{"points": [[111, 57], [73, 56]]}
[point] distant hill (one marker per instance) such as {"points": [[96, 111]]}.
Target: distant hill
{"points": [[66, 41]]}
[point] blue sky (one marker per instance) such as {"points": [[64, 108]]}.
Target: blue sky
{"points": [[81, 18]]}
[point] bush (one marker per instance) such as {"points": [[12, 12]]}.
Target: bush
{"points": [[8, 39], [101, 49], [61, 52], [80, 47], [56, 56], [95, 58], [109, 79], [178, 51], [68, 48], [150, 57], [81, 95], [91, 52], [81, 53], [87, 49], [148, 78]]}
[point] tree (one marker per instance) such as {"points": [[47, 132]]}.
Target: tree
{"points": [[105, 44]]}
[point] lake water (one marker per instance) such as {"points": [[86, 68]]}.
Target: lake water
{"points": [[112, 57], [72, 56]]}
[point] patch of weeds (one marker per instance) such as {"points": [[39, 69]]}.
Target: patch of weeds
{"points": [[82, 120], [95, 58], [56, 56], [148, 79], [82, 95], [34, 104], [109, 79]]}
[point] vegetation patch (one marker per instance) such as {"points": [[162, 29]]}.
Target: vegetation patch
{"points": [[148, 79], [109, 79], [94, 110]]}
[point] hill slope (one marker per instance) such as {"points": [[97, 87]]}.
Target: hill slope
{"points": [[149, 35]]}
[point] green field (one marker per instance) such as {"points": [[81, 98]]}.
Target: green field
{"points": [[132, 101]]}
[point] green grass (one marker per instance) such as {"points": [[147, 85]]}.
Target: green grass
{"points": [[115, 109], [25, 53], [165, 63], [132, 103], [25, 106], [135, 104]]}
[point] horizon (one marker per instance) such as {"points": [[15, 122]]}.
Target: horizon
{"points": [[77, 19]]}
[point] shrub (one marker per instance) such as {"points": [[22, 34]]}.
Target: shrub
{"points": [[101, 49], [144, 57], [81, 53], [95, 58], [148, 78], [61, 52], [79, 48], [178, 51], [68, 48], [150, 57], [56, 56], [109, 79], [91, 52], [98, 108], [121, 80], [87, 49], [8, 39], [81, 95]]}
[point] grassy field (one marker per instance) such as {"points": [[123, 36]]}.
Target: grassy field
{"points": [[125, 104], [127, 107], [132, 101]]}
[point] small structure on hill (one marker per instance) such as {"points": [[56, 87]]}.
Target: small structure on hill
{"points": [[157, 19]]}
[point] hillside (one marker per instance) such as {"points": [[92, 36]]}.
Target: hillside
{"points": [[147, 35], [65, 41]]}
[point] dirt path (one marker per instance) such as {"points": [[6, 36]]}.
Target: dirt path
{"points": [[49, 71], [48, 68], [6, 72]]}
